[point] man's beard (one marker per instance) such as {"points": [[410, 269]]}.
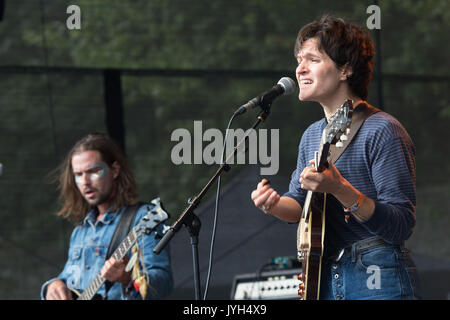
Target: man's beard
{"points": [[100, 197]]}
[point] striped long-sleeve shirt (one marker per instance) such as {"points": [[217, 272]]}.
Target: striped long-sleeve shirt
{"points": [[380, 163]]}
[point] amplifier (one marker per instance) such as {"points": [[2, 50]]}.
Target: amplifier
{"points": [[269, 285]]}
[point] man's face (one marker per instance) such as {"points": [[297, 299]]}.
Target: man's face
{"points": [[93, 177], [317, 76]]}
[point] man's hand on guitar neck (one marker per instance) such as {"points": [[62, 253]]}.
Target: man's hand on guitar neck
{"points": [[114, 271]]}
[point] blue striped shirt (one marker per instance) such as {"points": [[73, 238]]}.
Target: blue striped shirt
{"points": [[380, 163]]}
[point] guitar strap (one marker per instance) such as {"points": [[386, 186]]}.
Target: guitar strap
{"points": [[122, 230], [360, 113]]}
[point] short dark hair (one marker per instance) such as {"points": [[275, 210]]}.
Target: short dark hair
{"points": [[345, 43]]}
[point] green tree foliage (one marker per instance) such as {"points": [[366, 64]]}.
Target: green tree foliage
{"points": [[229, 44]]}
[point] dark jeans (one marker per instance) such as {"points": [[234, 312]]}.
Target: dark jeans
{"points": [[383, 272]]}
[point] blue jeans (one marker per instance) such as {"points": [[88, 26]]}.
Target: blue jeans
{"points": [[380, 273]]}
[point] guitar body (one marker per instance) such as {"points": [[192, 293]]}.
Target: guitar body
{"points": [[310, 235], [311, 228]]}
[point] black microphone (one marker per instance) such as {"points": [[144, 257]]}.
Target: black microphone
{"points": [[285, 86]]}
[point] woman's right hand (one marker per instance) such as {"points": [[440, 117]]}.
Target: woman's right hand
{"points": [[264, 197]]}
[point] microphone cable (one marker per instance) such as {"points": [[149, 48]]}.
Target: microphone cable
{"points": [[216, 211], [288, 87]]}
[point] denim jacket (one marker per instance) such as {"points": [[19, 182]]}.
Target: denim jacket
{"points": [[89, 243]]}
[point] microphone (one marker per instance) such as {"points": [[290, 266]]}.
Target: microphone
{"points": [[284, 86]]}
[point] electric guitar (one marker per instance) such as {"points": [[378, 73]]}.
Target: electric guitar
{"points": [[311, 228], [147, 225]]}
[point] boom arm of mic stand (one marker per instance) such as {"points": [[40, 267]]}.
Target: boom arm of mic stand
{"points": [[193, 204]]}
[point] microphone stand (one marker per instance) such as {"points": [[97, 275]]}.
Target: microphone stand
{"points": [[189, 219]]}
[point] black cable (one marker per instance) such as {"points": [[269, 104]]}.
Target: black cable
{"points": [[216, 211], [232, 249]]}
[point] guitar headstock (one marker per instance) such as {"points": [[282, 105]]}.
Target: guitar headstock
{"points": [[154, 217], [339, 126], [335, 132]]}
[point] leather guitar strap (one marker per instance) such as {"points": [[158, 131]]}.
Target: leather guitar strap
{"points": [[122, 230], [360, 113]]}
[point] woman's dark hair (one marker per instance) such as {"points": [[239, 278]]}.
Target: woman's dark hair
{"points": [[346, 44]]}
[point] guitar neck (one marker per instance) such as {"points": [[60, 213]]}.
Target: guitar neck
{"points": [[118, 254], [321, 157], [321, 162]]}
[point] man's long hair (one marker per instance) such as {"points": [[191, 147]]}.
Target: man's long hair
{"points": [[74, 206]]}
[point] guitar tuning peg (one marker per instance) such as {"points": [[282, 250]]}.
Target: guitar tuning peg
{"points": [[344, 137], [339, 144], [347, 131]]}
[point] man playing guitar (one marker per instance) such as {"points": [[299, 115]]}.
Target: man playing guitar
{"points": [[96, 187]]}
